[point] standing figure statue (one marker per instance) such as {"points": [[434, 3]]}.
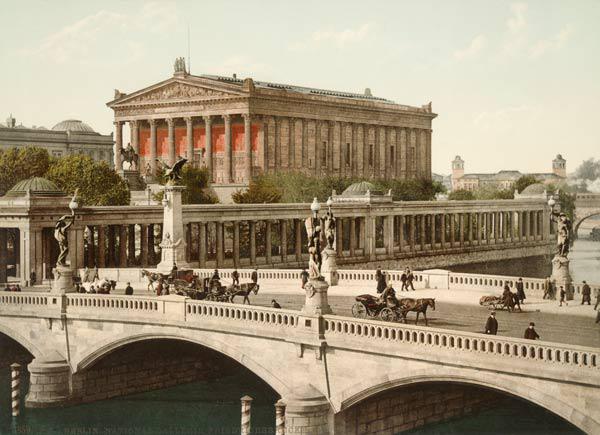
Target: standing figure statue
{"points": [[329, 224], [564, 233], [313, 231], [61, 232]]}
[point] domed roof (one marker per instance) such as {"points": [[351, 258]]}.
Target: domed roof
{"points": [[360, 188], [73, 125], [534, 189], [36, 186]]}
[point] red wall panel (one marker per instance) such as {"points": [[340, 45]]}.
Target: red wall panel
{"points": [[218, 138], [181, 141], [162, 141], [144, 142], [199, 138]]}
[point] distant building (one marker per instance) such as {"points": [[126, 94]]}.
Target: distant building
{"points": [[65, 138], [504, 179]]}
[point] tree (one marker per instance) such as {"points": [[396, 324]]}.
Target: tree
{"points": [[17, 164], [259, 191], [411, 190], [493, 192], [588, 170], [461, 195], [98, 184], [524, 181], [196, 182]]}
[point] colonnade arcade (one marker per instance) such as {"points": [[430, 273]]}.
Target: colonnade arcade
{"points": [[235, 147]]}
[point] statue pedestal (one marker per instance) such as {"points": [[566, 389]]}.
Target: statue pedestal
{"points": [[561, 276], [329, 266], [63, 280], [133, 179], [316, 302], [173, 227]]}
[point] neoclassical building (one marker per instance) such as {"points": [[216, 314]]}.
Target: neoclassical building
{"points": [[241, 128], [68, 137]]}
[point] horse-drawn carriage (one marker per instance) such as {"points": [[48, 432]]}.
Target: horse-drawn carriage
{"points": [[371, 306], [493, 302], [186, 283]]}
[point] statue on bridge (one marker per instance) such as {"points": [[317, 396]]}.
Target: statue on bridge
{"points": [[564, 233], [129, 155], [173, 173], [61, 232]]}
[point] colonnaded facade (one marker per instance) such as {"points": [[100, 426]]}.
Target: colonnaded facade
{"points": [[372, 228], [242, 128]]}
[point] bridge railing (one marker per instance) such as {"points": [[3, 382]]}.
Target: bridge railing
{"points": [[386, 335]]}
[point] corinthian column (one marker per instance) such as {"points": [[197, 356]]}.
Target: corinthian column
{"points": [[133, 131], [227, 154], [171, 140], [248, 146], [208, 146], [152, 123], [190, 139], [118, 144]]}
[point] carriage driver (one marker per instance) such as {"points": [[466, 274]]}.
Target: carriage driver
{"points": [[389, 297]]}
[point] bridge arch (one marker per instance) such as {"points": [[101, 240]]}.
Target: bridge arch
{"points": [[103, 348], [557, 404], [19, 338], [580, 220]]}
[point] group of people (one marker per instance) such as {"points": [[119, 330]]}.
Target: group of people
{"points": [[12, 288], [491, 328], [406, 278], [512, 299]]}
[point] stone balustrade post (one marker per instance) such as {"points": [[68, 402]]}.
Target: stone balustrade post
{"points": [[268, 241], [252, 236], [283, 240], [298, 239], [122, 246], [412, 233], [443, 230], [201, 245], [219, 247], [352, 236], [144, 245], [236, 244]]}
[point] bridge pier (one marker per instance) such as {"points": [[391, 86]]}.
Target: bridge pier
{"points": [[307, 411], [49, 382]]}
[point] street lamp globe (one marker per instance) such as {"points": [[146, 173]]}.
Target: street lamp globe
{"points": [[315, 206], [329, 202], [551, 202]]}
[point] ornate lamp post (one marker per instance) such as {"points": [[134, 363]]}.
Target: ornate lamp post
{"points": [[329, 268], [63, 272]]}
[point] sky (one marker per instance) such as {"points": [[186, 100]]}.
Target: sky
{"points": [[513, 83]]}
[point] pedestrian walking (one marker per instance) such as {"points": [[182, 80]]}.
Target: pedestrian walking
{"points": [[304, 276], [378, 273], [235, 276], [563, 294], [586, 294], [521, 291], [410, 277], [128, 289], [254, 276], [530, 333], [491, 326], [403, 279], [381, 284]]}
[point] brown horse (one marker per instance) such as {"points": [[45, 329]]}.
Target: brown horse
{"points": [[242, 290], [418, 305], [152, 278]]}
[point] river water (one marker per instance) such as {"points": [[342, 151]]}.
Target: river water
{"points": [[214, 407]]}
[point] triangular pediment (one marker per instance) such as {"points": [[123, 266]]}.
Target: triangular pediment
{"points": [[176, 90]]}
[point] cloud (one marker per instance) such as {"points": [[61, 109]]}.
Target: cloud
{"points": [[81, 40], [476, 45], [517, 20], [339, 38], [555, 42], [502, 117]]}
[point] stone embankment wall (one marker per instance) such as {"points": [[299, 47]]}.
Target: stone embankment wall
{"points": [[147, 366], [407, 408]]}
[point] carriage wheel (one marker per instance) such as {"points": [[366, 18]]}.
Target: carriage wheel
{"points": [[359, 311], [387, 315]]}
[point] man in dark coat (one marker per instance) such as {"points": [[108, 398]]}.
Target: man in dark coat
{"points": [[378, 274], [275, 304], [586, 294], [381, 283], [215, 276], [254, 276], [530, 333], [491, 326], [128, 289], [563, 295], [404, 278], [520, 290], [304, 276], [235, 276], [410, 277]]}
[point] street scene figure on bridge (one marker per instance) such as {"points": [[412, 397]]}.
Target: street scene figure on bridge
{"points": [[564, 233], [329, 225], [61, 233]]}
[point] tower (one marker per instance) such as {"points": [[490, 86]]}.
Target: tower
{"points": [[559, 166], [458, 170]]}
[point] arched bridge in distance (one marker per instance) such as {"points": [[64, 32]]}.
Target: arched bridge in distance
{"points": [[587, 205], [323, 367]]}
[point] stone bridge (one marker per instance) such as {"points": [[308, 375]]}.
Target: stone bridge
{"points": [[325, 368], [586, 206]]}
